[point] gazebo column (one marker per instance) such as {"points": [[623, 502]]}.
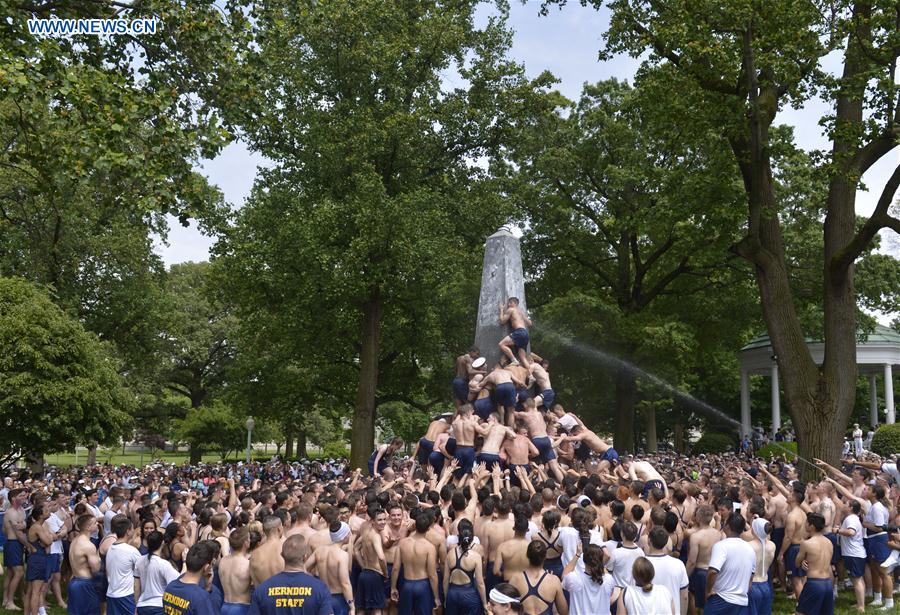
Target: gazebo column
{"points": [[776, 401], [889, 393], [873, 401], [745, 402]]}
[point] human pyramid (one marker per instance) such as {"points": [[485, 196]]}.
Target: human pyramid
{"points": [[543, 517]]}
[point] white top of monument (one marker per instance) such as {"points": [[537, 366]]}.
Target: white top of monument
{"points": [[504, 231]]}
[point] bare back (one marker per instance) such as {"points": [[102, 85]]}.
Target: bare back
{"points": [[266, 561], [234, 573]]}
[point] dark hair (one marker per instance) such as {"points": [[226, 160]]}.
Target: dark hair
{"points": [[120, 525], [855, 507], [658, 538], [154, 542], [593, 563], [198, 556], [551, 520], [536, 553], [423, 522], [466, 533], [520, 524], [816, 520], [736, 523], [629, 531]]}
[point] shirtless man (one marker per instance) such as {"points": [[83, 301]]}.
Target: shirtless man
{"points": [[776, 512], [370, 595], [418, 559], [425, 445], [814, 556], [395, 531], [518, 451], [234, 573], [495, 435], [537, 430], [266, 559], [518, 339], [827, 508], [85, 563], [645, 472], [496, 534], [504, 383], [16, 545], [512, 555], [439, 454], [538, 371], [463, 428], [701, 538], [331, 563], [608, 455], [304, 518], [794, 535], [462, 374]]}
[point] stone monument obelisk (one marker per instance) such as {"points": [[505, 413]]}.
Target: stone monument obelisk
{"points": [[501, 278]]}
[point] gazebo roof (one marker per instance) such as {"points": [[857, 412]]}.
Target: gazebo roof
{"points": [[880, 336]]}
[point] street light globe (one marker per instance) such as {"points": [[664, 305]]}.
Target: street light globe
{"points": [[250, 423]]}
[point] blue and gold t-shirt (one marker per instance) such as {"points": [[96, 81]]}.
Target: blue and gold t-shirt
{"points": [[187, 599], [291, 593]]}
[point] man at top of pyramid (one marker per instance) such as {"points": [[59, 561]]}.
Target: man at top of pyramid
{"points": [[517, 341]]}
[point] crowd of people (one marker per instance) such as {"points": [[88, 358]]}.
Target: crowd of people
{"points": [[509, 504]]}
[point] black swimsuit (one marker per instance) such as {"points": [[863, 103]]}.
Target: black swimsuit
{"points": [[533, 591]]}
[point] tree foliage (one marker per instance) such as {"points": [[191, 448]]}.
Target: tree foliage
{"points": [[58, 384]]}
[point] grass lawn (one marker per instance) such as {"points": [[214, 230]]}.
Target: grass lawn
{"points": [[783, 606], [116, 457]]}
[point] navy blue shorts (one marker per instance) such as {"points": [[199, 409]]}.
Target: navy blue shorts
{"points": [[697, 586], [36, 570], [436, 461], [717, 606], [226, 610], [120, 606], [483, 407], [835, 549], [761, 597], [369, 590], [513, 479], [491, 580], [425, 448], [415, 598], [488, 459], [652, 484], [549, 397], [460, 389], [817, 597], [610, 455], [790, 559], [582, 452], [520, 338], [54, 563], [463, 600], [545, 449], [13, 554], [878, 549], [233, 608], [505, 395], [466, 457], [339, 604], [778, 539], [382, 464], [855, 566], [82, 597]]}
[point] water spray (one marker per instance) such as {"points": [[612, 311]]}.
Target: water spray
{"points": [[619, 363]]}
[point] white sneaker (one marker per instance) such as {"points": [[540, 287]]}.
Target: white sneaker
{"points": [[876, 603], [887, 607]]}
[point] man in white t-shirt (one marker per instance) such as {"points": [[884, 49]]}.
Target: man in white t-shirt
{"points": [[121, 563], [732, 563], [621, 560], [669, 570], [59, 514]]}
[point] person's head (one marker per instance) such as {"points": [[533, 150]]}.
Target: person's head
{"points": [[505, 599], [735, 525], [294, 552], [86, 524], [466, 534], [474, 352], [239, 540], [466, 410], [512, 302], [396, 444], [120, 526], [273, 527], [147, 525], [424, 521], [855, 507], [629, 531], [379, 518], [154, 542], [875, 493], [551, 520], [642, 571], [536, 553], [659, 538], [395, 514], [199, 558], [815, 523], [593, 562]]}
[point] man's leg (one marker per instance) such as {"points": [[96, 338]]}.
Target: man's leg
{"points": [[506, 347], [18, 572], [557, 471], [57, 590], [523, 357]]}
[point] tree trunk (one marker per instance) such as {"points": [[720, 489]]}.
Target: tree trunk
{"points": [[679, 435], [362, 439], [92, 455], [650, 418], [626, 396], [301, 443], [288, 442], [196, 454]]}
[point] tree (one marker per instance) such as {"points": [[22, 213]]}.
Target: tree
{"points": [[213, 426], [742, 63], [624, 209], [58, 384], [365, 232], [196, 335]]}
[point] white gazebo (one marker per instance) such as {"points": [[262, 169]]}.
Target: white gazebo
{"points": [[875, 355]]}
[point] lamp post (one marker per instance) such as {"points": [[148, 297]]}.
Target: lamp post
{"points": [[249, 424]]}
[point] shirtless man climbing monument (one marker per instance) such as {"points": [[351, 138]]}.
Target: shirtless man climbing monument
{"points": [[463, 373], [518, 338]]}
